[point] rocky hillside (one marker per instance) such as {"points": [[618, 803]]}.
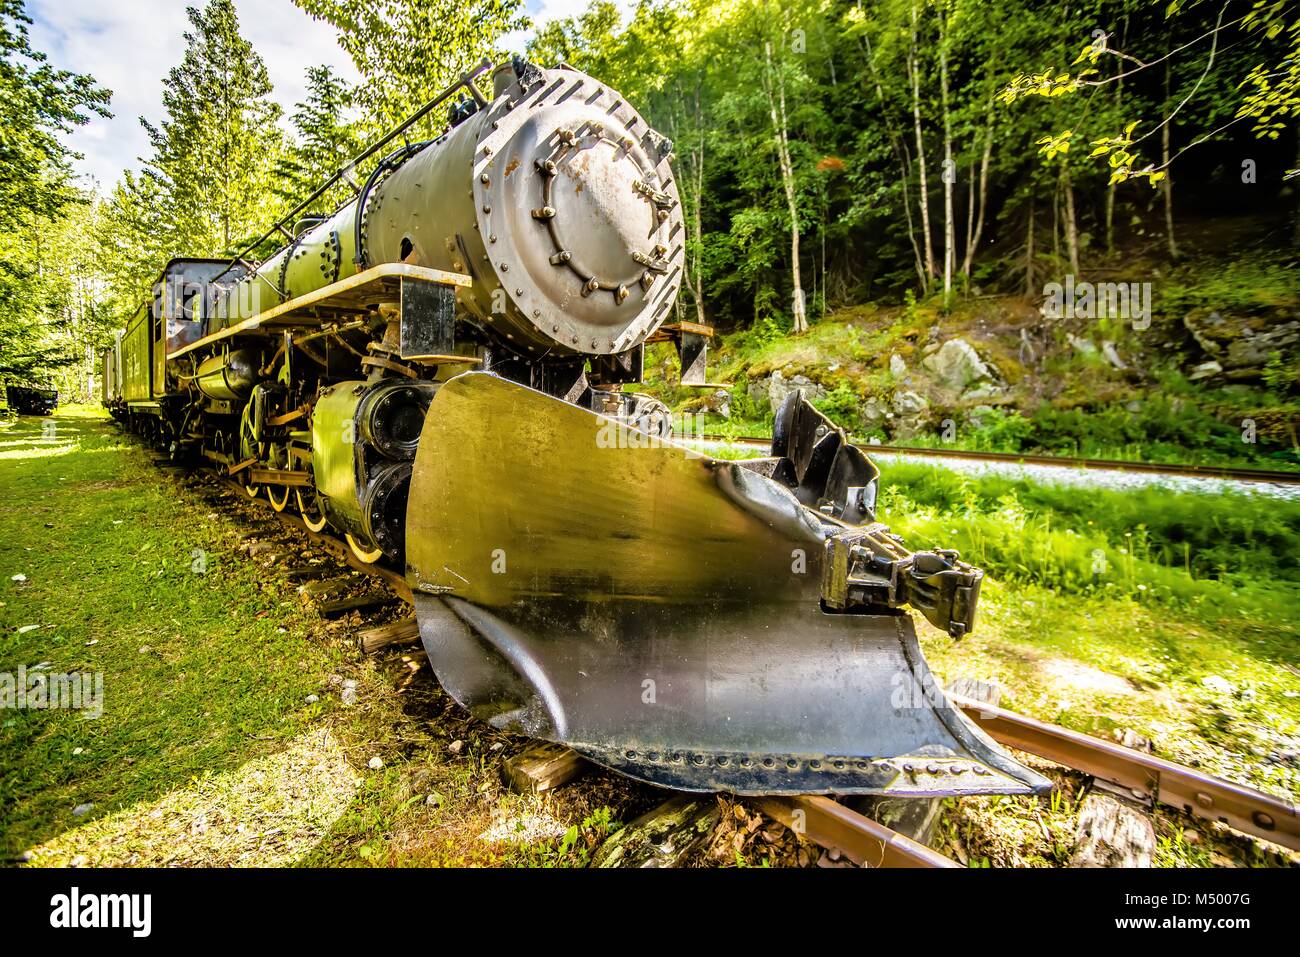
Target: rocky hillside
{"points": [[1211, 373]]}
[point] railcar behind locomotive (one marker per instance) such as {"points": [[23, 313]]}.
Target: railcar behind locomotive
{"points": [[441, 373]]}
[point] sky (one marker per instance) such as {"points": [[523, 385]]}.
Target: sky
{"points": [[129, 45]]}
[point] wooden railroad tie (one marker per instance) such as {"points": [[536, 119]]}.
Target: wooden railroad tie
{"points": [[542, 767], [403, 632], [663, 836], [313, 593], [341, 606], [308, 572]]}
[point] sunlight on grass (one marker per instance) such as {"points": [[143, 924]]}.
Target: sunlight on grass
{"points": [[268, 812]]}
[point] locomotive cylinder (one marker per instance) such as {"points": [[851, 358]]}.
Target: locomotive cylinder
{"points": [[229, 377], [364, 438]]}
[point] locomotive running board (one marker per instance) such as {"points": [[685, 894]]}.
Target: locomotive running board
{"points": [[661, 612]]}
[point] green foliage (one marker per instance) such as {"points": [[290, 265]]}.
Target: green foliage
{"points": [[38, 105], [1150, 545], [575, 847], [214, 153], [326, 140], [408, 50], [42, 319], [840, 405]]}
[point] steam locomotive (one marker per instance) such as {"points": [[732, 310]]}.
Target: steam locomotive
{"points": [[441, 373]]}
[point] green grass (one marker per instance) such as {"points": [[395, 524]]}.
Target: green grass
{"points": [[210, 749], [1173, 615], [203, 667]]}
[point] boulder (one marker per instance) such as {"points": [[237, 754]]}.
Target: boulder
{"points": [[719, 403], [1242, 345], [907, 402], [874, 413], [982, 391], [779, 387], [897, 366], [1205, 370], [956, 364], [977, 415]]}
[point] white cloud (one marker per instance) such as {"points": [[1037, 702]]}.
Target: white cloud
{"points": [[544, 11], [129, 45]]}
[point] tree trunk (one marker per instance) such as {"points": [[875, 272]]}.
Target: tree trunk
{"points": [[1071, 224], [913, 73], [1029, 250], [949, 175], [974, 243], [776, 102], [694, 182], [1168, 180], [898, 141]]}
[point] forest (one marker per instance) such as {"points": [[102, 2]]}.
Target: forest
{"points": [[908, 164]]}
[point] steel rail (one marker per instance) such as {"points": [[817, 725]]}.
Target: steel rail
{"points": [[1242, 474], [1144, 775], [863, 841]]}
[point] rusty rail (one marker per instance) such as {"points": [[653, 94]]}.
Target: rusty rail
{"points": [[1238, 474], [1146, 776], [863, 841]]}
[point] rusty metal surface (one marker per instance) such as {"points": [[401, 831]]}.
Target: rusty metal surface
{"points": [[865, 842], [1146, 776]]}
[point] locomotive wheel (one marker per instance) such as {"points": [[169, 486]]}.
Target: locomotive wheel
{"points": [[368, 557], [283, 503], [252, 490], [316, 522]]}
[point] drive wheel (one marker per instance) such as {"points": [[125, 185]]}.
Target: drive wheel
{"points": [[368, 557], [282, 502], [314, 522]]}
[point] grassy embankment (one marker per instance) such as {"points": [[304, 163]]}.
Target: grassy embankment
{"points": [[1175, 616], [225, 737], [1056, 399]]}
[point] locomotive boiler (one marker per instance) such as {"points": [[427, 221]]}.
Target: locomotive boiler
{"points": [[442, 371]]}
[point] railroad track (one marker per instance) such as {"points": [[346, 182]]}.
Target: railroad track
{"points": [[836, 827], [1273, 476]]}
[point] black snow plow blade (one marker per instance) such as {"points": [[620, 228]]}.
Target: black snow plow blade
{"points": [[699, 624]]}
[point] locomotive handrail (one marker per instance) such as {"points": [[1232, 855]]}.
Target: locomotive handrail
{"points": [[466, 82]]}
